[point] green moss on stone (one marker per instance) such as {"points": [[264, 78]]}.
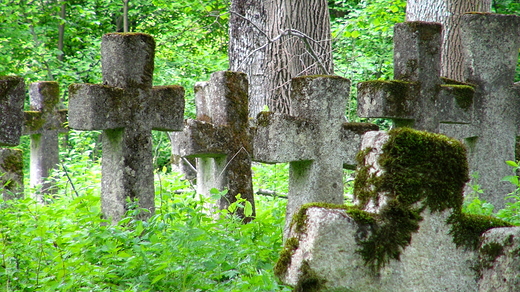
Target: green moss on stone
{"points": [[365, 184], [463, 94], [419, 170], [309, 281], [263, 119], [467, 229], [34, 121], [284, 260], [424, 167]]}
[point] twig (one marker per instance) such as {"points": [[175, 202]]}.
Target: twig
{"points": [[69, 179]]}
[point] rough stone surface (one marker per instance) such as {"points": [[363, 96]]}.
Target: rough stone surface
{"points": [[313, 139], [43, 123], [418, 98], [329, 257], [490, 44], [328, 249], [11, 173], [12, 97], [500, 260], [219, 138], [126, 107]]}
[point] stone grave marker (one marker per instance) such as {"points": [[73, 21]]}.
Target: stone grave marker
{"points": [[418, 97], [43, 123], [490, 44], [12, 94], [12, 97], [220, 138], [126, 108], [407, 232], [314, 139]]}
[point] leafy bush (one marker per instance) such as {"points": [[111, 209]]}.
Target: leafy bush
{"points": [[511, 213], [66, 245]]}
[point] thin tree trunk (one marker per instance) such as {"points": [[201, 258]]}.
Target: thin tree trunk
{"points": [[125, 15], [61, 29], [448, 13], [275, 40]]}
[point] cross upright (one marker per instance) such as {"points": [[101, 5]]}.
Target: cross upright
{"points": [[219, 138], [314, 139], [127, 108], [418, 97], [43, 123], [12, 97], [490, 45]]}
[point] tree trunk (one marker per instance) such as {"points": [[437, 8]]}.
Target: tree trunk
{"points": [[448, 13], [61, 29], [274, 41]]}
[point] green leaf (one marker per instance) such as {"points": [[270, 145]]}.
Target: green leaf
{"points": [[248, 209], [512, 163], [512, 179]]}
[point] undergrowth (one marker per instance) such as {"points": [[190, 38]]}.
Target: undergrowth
{"points": [[65, 245]]}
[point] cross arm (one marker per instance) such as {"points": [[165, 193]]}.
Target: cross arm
{"points": [[394, 99], [351, 137], [202, 139], [36, 122], [97, 107], [283, 138], [455, 103], [166, 108]]}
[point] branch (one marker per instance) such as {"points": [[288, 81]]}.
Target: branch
{"points": [[287, 32]]}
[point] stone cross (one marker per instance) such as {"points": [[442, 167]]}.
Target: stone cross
{"points": [[126, 108], [219, 138], [12, 97], [413, 238], [44, 122], [490, 45], [418, 97], [314, 139]]}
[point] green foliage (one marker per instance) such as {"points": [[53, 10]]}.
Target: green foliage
{"points": [[273, 177], [363, 42], [511, 213], [66, 246]]}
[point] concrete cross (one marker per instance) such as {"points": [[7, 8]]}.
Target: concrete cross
{"points": [[12, 96], [418, 97], [43, 123], [127, 109], [490, 44], [220, 139], [314, 139]]}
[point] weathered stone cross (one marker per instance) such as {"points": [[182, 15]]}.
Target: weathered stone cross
{"points": [[12, 96], [219, 138], [314, 139], [418, 97], [44, 122], [490, 43], [126, 108]]}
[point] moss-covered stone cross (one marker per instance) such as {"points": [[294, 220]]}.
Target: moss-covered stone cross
{"points": [[12, 97], [46, 119], [314, 139], [220, 139], [418, 97], [127, 109], [490, 44]]}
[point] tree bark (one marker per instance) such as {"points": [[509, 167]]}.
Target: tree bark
{"points": [[448, 13], [275, 40]]}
